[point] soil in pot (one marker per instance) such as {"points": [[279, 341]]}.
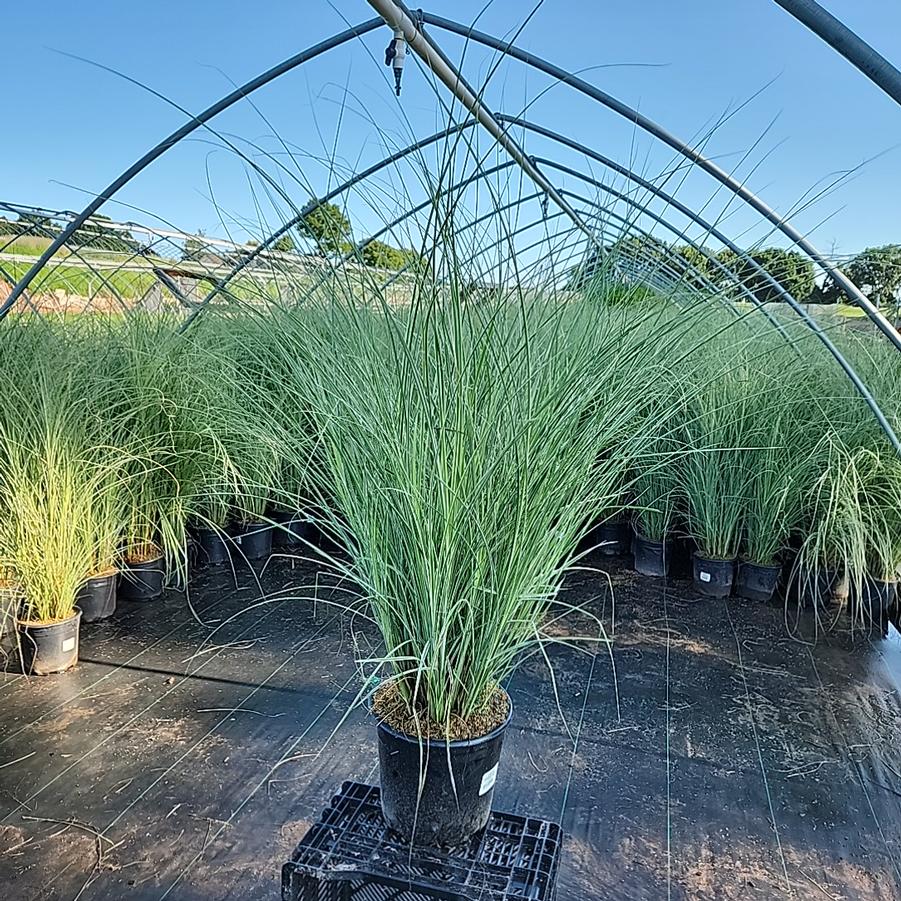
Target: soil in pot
{"points": [[293, 529], [211, 547], [253, 540], [757, 582], [713, 577], [435, 791], [96, 599], [142, 579], [49, 647], [652, 558]]}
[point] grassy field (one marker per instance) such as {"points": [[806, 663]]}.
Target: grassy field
{"points": [[83, 282]]}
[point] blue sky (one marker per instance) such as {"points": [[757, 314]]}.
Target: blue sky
{"points": [[684, 64]]}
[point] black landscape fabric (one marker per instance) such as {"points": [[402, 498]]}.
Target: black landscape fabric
{"points": [[715, 755]]}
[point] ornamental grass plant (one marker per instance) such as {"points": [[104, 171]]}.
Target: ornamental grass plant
{"points": [[465, 447], [62, 480]]}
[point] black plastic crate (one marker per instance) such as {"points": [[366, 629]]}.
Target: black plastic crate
{"points": [[351, 855]]}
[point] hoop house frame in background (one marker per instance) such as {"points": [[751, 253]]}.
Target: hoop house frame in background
{"points": [[425, 45]]}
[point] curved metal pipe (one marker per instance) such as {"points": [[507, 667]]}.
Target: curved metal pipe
{"points": [[846, 42], [651, 127], [505, 165], [44, 225], [229, 100], [312, 205], [295, 220], [720, 236], [397, 17]]}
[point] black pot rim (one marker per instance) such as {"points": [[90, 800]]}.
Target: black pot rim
{"points": [[139, 564], [94, 580], [458, 743], [31, 626], [640, 536], [767, 566], [256, 525], [887, 582], [280, 514], [202, 527]]}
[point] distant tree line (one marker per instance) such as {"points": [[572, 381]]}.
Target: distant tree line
{"points": [[95, 234], [330, 232], [764, 272]]}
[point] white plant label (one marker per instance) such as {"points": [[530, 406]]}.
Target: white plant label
{"points": [[68, 645], [705, 577], [488, 780]]}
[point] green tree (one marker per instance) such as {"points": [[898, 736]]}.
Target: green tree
{"points": [[877, 272], [328, 227], [791, 269], [701, 271], [285, 244], [383, 256]]}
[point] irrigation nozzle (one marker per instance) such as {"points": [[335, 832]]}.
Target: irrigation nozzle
{"points": [[395, 55]]}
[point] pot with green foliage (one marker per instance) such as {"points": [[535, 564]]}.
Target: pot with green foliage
{"points": [[103, 522], [656, 485], [713, 488], [832, 560], [880, 510], [780, 460], [158, 374], [46, 487], [459, 465], [613, 533], [60, 484]]}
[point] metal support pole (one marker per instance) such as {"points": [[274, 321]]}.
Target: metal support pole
{"points": [[854, 294], [438, 63], [170, 141], [846, 42]]}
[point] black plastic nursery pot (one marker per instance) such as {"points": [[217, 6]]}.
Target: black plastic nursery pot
{"points": [[757, 582], [253, 540], [211, 547], [9, 607], [877, 597], [713, 577], [437, 792], [293, 529], [821, 588], [96, 599], [613, 537], [681, 562], [652, 558], [143, 580], [49, 647]]}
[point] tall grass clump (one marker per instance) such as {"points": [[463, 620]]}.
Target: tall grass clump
{"points": [[713, 470], [153, 377], [464, 449], [62, 482]]}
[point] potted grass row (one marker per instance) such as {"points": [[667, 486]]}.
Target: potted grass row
{"points": [[116, 437], [776, 473]]}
